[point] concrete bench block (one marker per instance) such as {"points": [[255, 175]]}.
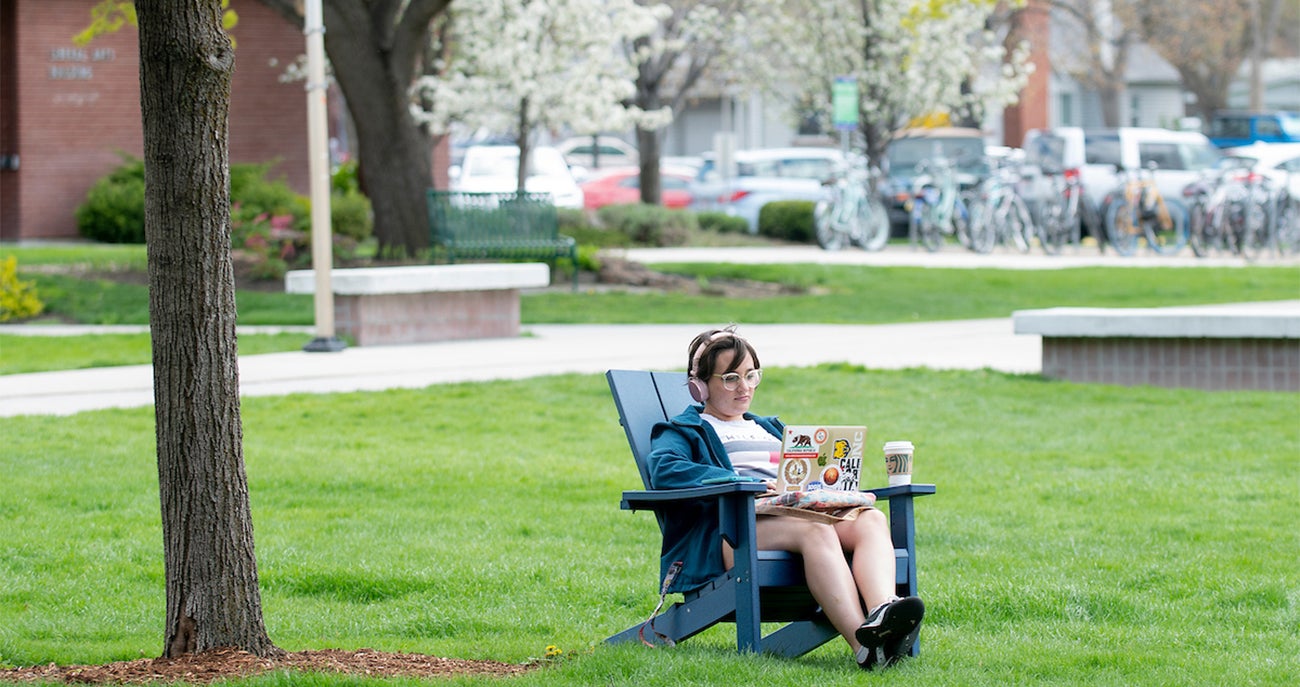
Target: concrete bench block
{"points": [[422, 303], [1215, 347]]}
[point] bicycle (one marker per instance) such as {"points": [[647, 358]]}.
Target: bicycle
{"points": [[1062, 212], [1230, 212], [1136, 208], [854, 212], [998, 215], [937, 208]]}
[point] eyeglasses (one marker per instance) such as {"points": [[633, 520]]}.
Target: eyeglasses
{"points": [[731, 380]]}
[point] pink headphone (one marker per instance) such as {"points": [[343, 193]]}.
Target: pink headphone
{"points": [[698, 388]]}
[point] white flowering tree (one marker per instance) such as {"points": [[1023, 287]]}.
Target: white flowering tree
{"points": [[520, 66], [698, 42], [913, 60]]}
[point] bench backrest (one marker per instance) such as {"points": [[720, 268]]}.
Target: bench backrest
{"points": [[644, 398], [481, 217]]}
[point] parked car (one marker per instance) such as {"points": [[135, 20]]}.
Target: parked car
{"points": [[909, 149], [495, 168], [597, 152], [1280, 162], [1179, 157], [622, 185], [1229, 129], [762, 176]]}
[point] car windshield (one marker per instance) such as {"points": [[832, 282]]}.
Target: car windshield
{"points": [[799, 168], [1047, 152], [505, 162], [906, 153]]}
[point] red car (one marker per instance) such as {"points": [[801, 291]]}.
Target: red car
{"points": [[623, 185]]}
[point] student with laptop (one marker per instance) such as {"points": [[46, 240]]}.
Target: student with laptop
{"points": [[719, 439]]}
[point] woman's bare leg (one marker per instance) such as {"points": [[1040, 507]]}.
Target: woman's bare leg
{"points": [[873, 555], [830, 580]]}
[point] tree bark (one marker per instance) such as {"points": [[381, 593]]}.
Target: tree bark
{"points": [[186, 64]]}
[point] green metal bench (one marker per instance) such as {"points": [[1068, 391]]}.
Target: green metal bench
{"points": [[476, 225]]}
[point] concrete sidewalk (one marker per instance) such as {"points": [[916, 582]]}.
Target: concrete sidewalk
{"points": [[544, 350]]}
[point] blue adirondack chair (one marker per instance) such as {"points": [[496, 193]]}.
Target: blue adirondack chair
{"points": [[762, 586]]}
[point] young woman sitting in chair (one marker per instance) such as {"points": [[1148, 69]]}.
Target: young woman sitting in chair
{"points": [[720, 438]]}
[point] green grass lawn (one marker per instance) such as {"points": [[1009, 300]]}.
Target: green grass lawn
{"points": [[832, 294], [1081, 534]]}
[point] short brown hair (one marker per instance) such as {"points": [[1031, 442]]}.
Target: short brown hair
{"points": [[703, 351]]}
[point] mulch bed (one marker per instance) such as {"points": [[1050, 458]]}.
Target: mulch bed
{"points": [[225, 664]]}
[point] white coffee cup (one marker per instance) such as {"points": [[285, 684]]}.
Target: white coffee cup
{"points": [[898, 462]]}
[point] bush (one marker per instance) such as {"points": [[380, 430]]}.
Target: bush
{"points": [[649, 225], [721, 222], [351, 216], [254, 194], [18, 299], [114, 208], [788, 220], [270, 223]]}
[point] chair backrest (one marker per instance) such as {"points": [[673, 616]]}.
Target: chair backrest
{"points": [[644, 398]]}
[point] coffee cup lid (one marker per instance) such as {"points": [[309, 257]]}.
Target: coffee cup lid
{"points": [[898, 446]]}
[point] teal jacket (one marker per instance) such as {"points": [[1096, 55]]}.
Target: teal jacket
{"points": [[684, 452]]}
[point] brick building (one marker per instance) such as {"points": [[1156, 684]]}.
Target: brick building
{"points": [[67, 113]]}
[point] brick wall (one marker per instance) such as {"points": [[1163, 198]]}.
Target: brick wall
{"points": [[1212, 364], [74, 109], [1031, 25]]}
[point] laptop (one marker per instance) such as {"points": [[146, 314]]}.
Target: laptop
{"points": [[821, 457]]}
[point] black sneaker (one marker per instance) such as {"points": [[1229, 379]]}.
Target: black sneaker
{"points": [[889, 654], [868, 658], [890, 631]]}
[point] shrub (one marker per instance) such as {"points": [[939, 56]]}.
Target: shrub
{"points": [[114, 208], [649, 225], [578, 224], [18, 299], [721, 222], [351, 216], [789, 220], [251, 191], [346, 178]]}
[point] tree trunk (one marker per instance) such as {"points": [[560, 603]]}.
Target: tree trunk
{"points": [[374, 49], [647, 145], [186, 63], [394, 155]]}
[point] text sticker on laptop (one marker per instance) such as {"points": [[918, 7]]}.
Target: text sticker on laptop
{"points": [[821, 457]]}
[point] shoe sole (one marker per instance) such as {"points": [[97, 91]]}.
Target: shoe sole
{"points": [[900, 650], [901, 620]]}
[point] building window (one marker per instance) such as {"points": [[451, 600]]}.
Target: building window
{"points": [[1065, 109], [1134, 110]]}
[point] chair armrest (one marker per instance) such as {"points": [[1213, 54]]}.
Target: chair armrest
{"points": [[902, 490], [660, 498]]}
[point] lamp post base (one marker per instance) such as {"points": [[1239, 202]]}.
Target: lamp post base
{"points": [[322, 344]]}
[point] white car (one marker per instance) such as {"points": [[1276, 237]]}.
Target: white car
{"points": [[604, 151], [495, 169], [1280, 162], [762, 176]]}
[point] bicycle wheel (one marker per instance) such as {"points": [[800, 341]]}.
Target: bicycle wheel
{"points": [[1053, 230], [1122, 228], [977, 233], [1288, 226], [1167, 236], [927, 228], [876, 223], [1018, 224], [824, 226], [1198, 228], [1255, 235]]}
